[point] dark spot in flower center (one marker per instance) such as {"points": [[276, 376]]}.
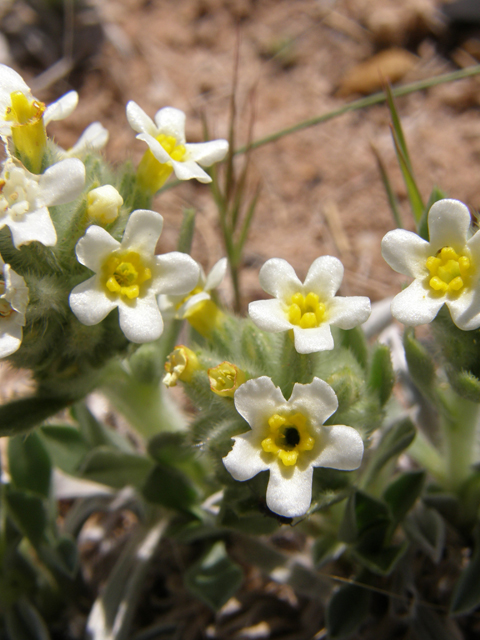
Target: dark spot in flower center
{"points": [[292, 437]]}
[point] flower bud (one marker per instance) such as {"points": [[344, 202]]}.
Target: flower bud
{"points": [[181, 364], [103, 204], [225, 379]]}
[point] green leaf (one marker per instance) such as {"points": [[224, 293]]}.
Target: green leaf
{"points": [[382, 376], [214, 579], [347, 610], [28, 513], [325, 549], [23, 622], [355, 341], [363, 514], [466, 595], [67, 551], [383, 561], [169, 447], [426, 527], [420, 364], [465, 384], [402, 493], [115, 468], [392, 198], [97, 434], [169, 487], [393, 442], [66, 445], [20, 416], [429, 625], [29, 464]]}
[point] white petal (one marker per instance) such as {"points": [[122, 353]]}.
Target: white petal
{"points": [[245, 459], [10, 341], [278, 278], [342, 448], [269, 315], [171, 121], [207, 153], [190, 170], [140, 319], [155, 147], [324, 277], [289, 490], [257, 400], [317, 400], [143, 231], [415, 305], [62, 182], [176, 273], [216, 275], [94, 247], [16, 292], [349, 312], [192, 302], [94, 138], [448, 224], [89, 302], [61, 108], [139, 121], [405, 252], [36, 225], [465, 310], [313, 340]]}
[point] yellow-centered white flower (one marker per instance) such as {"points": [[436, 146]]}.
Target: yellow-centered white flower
{"points": [[25, 198], [289, 438], [129, 276], [307, 308], [165, 138], [446, 270], [13, 306]]}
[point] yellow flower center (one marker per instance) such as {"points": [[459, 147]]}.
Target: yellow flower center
{"points": [[174, 150], [124, 273], [28, 130], [449, 271], [288, 437], [306, 311]]}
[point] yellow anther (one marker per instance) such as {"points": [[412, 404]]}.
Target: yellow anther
{"points": [[289, 458], [308, 320], [225, 379], [307, 311], [450, 271], [288, 437], [276, 421], [294, 314], [125, 273]]}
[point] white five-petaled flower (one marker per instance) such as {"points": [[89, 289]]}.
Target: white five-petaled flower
{"points": [[93, 139], [17, 104], [25, 198], [289, 438], [309, 308], [166, 140], [129, 275], [13, 306], [446, 270], [179, 306]]}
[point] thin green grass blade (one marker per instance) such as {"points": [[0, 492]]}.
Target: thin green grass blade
{"points": [[397, 125], [414, 196], [392, 198]]}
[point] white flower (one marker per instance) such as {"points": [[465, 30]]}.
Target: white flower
{"points": [[25, 198], [288, 438], [13, 305], [166, 140], [446, 269], [179, 306], [309, 308], [18, 106], [129, 276], [93, 139]]}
